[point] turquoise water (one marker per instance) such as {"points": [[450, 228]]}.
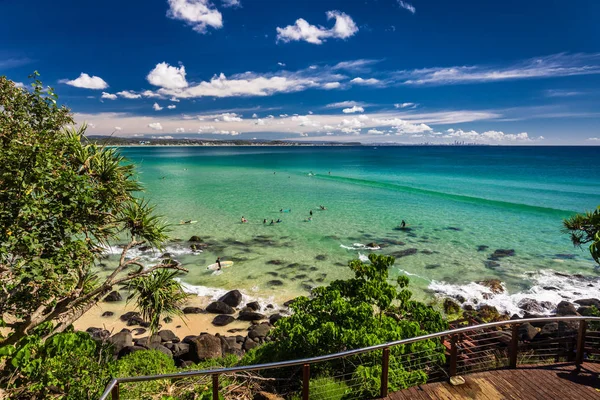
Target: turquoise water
{"points": [[454, 199]]}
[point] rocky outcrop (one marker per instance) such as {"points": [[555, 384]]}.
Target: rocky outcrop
{"points": [[120, 340], [451, 307], [565, 308], [222, 320], [232, 298], [248, 315], [589, 303], [192, 310], [219, 307], [527, 332], [113, 296], [168, 336], [501, 253], [495, 285], [205, 347]]}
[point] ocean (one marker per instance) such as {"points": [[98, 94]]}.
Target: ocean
{"points": [[460, 204]]}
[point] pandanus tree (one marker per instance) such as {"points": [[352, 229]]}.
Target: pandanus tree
{"points": [[584, 229], [63, 201]]}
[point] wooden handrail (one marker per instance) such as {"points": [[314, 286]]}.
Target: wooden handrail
{"points": [[113, 386]]}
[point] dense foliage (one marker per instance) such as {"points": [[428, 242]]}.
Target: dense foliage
{"points": [[359, 312], [584, 229], [61, 203]]}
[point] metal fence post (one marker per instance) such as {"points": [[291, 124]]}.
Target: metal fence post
{"points": [[514, 346], [215, 386], [453, 354], [115, 392], [580, 343], [385, 364], [305, 381]]}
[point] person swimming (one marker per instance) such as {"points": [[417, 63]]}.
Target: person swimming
{"points": [[244, 220], [310, 212], [309, 219], [264, 221], [218, 263], [403, 224], [323, 208], [272, 222], [278, 220]]}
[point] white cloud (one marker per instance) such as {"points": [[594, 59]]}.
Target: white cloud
{"points": [[402, 126], [281, 64], [259, 122], [118, 128], [231, 3], [180, 130], [407, 6], [86, 82], [167, 76], [171, 106], [254, 115], [156, 107], [228, 117], [331, 85], [489, 136], [556, 65], [150, 94], [283, 115], [244, 85], [174, 99], [128, 94], [156, 126], [343, 104], [344, 28], [361, 81], [375, 132], [92, 126], [405, 105], [593, 139], [353, 109], [163, 137], [199, 14], [108, 96], [562, 93], [19, 85]]}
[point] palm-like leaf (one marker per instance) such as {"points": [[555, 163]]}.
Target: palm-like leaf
{"points": [[157, 295]]}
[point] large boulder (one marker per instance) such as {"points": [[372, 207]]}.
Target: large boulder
{"points": [[258, 332], [249, 344], [549, 330], [589, 303], [192, 310], [127, 316], [451, 307], [253, 305], [533, 306], [527, 332], [129, 349], [168, 336], [146, 341], [98, 334], [248, 315], [274, 318], [565, 308], [120, 340], [113, 296], [232, 298], [222, 320], [219, 307], [161, 348], [178, 350], [205, 347]]}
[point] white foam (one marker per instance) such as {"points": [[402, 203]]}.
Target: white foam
{"points": [[568, 288], [151, 255], [213, 294], [363, 257]]}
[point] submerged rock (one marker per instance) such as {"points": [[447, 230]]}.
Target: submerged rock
{"points": [[195, 239], [491, 264], [501, 253], [404, 253], [275, 282], [432, 266], [495, 285], [482, 247], [321, 257]]}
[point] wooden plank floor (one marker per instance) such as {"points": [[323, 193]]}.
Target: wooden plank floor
{"points": [[535, 382]]}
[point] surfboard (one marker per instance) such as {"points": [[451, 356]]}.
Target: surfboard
{"points": [[224, 264], [187, 223]]}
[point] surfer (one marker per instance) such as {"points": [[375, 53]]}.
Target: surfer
{"points": [[403, 224], [278, 220], [309, 219], [272, 222], [310, 212], [323, 208], [264, 221], [189, 221], [281, 210], [218, 263], [244, 220]]}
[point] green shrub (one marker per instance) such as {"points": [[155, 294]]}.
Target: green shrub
{"points": [[325, 388], [66, 366], [147, 362]]}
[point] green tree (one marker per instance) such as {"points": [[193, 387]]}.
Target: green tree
{"points": [[359, 312], [584, 229], [62, 202]]}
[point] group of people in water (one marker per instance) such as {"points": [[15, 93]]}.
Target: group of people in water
{"points": [[287, 210]]}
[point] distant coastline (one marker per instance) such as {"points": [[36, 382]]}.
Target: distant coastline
{"points": [[140, 141]]}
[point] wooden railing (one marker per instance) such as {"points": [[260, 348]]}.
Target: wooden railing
{"points": [[469, 349]]}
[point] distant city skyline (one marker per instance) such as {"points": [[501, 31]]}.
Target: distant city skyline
{"points": [[511, 72]]}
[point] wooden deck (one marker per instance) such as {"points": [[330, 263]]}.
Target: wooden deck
{"points": [[536, 382]]}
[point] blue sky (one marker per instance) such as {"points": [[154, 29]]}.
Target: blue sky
{"points": [[507, 72]]}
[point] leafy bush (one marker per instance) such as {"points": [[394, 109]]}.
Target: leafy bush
{"points": [[147, 362], [325, 388], [66, 366]]}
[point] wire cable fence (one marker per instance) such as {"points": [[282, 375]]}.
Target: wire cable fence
{"points": [[378, 370]]}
